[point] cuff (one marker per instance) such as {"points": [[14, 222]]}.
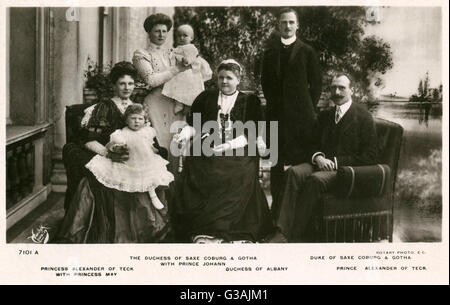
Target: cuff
{"points": [[97, 148], [187, 132], [174, 70], [238, 142], [260, 140], [315, 155]]}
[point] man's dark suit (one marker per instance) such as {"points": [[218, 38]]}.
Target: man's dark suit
{"points": [[292, 86], [352, 141]]}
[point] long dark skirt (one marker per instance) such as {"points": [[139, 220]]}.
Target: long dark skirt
{"points": [[75, 157], [222, 197], [98, 214]]}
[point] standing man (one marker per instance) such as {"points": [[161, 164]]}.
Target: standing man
{"points": [[345, 136], [292, 82]]}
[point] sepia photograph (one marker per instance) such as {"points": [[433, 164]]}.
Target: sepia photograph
{"points": [[245, 125]]}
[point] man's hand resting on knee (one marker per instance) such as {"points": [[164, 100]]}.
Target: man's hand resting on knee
{"points": [[324, 164]]}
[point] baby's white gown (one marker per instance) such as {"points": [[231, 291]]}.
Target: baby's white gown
{"points": [[187, 85], [143, 170]]}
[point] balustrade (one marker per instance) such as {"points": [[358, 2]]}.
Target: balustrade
{"points": [[24, 170], [20, 171]]}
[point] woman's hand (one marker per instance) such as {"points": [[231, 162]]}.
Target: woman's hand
{"points": [[222, 147], [118, 153], [181, 67], [119, 148], [115, 157], [178, 138], [261, 145]]}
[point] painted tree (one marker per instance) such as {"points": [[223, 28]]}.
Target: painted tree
{"points": [[336, 33], [425, 94]]}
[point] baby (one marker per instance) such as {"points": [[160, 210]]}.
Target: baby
{"points": [[185, 86], [145, 170]]}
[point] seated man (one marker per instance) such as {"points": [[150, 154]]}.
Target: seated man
{"points": [[345, 135]]}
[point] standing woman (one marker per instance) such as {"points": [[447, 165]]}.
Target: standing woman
{"points": [[218, 198], [157, 65]]}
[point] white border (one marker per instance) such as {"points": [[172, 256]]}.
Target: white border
{"points": [[15, 268]]}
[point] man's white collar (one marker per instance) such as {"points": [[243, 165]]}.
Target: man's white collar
{"points": [[344, 107], [288, 41]]}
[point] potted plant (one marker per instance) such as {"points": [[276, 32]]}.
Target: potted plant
{"points": [[98, 86]]}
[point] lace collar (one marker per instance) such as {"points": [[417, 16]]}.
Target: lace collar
{"points": [[121, 104], [155, 47]]}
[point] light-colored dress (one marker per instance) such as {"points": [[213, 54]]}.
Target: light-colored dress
{"points": [[143, 170], [157, 65], [187, 85]]}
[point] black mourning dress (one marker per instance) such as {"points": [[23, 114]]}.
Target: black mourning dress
{"points": [[221, 196]]}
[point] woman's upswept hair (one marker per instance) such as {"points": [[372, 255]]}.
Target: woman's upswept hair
{"points": [[231, 65], [155, 19], [121, 69]]}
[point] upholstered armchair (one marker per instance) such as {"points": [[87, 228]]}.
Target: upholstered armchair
{"points": [[362, 208], [74, 171], [74, 114]]}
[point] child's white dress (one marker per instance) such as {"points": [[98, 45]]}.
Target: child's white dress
{"points": [[143, 170], [187, 85]]}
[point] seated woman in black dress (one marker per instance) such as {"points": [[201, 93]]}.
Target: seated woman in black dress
{"points": [[98, 123], [96, 213], [218, 198]]}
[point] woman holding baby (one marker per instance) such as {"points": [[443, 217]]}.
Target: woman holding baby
{"points": [[159, 67]]}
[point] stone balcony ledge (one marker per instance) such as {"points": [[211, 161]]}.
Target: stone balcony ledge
{"points": [[16, 133]]}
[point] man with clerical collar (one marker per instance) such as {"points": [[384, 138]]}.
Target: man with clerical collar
{"points": [[344, 136], [292, 82]]}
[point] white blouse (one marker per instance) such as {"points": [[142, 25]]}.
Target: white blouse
{"points": [[156, 65], [226, 102]]}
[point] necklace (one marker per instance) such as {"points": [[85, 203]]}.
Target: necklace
{"points": [[226, 104]]}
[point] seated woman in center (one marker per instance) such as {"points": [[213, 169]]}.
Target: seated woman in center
{"points": [[218, 197]]}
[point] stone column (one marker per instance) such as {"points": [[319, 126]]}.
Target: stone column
{"points": [[8, 119], [75, 39]]}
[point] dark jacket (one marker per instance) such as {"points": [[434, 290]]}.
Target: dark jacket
{"points": [[292, 103], [353, 141]]}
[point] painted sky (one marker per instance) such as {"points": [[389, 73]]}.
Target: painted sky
{"points": [[415, 36]]}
